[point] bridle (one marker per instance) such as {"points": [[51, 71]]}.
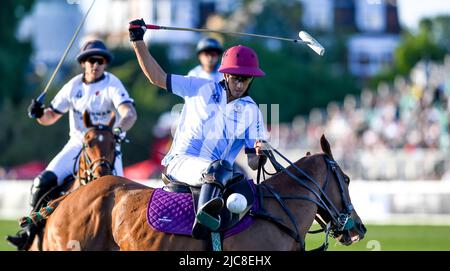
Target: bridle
{"points": [[340, 220], [90, 166]]}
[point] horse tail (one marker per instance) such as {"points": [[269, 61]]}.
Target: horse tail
{"points": [[325, 145], [42, 214]]}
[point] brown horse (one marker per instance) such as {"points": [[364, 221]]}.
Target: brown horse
{"points": [[110, 213], [96, 159]]}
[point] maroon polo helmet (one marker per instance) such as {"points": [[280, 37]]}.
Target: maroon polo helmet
{"points": [[240, 60]]}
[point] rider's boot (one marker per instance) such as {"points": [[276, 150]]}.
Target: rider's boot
{"points": [[210, 202], [24, 237], [41, 185]]}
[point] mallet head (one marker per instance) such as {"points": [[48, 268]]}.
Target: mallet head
{"points": [[312, 43]]}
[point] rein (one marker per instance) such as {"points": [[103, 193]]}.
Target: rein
{"points": [[89, 165], [339, 220]]}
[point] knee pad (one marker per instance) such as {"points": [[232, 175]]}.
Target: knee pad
{"points": [[41, 184], [44, 180], [219, 172]]}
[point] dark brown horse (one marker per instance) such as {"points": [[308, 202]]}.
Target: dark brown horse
{"points": [[110, 213], [96, 159]]}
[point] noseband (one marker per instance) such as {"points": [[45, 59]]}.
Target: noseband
{"points": [[89, 172], [340, 220], [92, 166]]}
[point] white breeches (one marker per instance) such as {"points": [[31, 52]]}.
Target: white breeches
{"points": [[187, 169], [63, 163]]}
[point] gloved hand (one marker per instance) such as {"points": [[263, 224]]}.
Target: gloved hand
{"points": [[137, 33], [259, 147], [119, 134], [35, 109]]}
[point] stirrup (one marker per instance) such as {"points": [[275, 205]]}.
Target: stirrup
{"points": [[208, 220], [204, 216]]}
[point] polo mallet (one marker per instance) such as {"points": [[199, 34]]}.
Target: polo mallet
{"points": [[41, 97], [305, 38]]}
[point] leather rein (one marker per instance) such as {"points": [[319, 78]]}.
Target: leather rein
{"points": [[340, 220]]}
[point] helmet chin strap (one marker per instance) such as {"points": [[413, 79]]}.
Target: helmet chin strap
{"points": [[227, 88]]}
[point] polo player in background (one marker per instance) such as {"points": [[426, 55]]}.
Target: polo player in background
{"points": [[208, 54], [96, 91]]}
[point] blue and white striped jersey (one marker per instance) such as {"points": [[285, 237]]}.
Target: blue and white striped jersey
{"points": [[209, 127]]}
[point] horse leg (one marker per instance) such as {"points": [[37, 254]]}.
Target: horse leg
{"points": [[82, 220]]}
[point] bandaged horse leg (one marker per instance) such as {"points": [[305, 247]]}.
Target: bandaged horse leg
{"points": [[210, 202]]}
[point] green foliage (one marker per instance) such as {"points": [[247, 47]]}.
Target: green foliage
{"points": [[22, 139], [416, 47], [14, 55], [441, 31], [296, 78], [431, 42], [278, 17], [296, 84]]}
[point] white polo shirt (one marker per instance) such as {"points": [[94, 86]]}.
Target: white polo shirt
{"points": [[199, 72], [99, 98], [209, 127]]}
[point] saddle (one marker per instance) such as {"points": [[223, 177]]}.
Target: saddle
{"points": [[172, 209]]}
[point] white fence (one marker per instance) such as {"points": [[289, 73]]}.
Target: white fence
{"points": [[383, 202]]}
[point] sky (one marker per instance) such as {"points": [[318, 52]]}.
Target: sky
{"points": [[411, 11]]}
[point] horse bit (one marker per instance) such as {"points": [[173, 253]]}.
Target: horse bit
{"points": [[340, 220]]}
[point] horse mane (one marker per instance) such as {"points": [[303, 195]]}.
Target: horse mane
{"points": [[325, 145]]}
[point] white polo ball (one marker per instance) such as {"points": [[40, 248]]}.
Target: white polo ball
{"points": [[236, 203]]}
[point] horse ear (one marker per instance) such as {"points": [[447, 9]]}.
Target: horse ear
{"points": [[87, 119], [326, 148], [113, 119]]}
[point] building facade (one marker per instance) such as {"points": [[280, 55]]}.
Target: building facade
{"points": [[374, 25]]}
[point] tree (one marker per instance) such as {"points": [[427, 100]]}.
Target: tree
{"points": [[297, 78], [441, 33], [413, 48], [14, 55], [431, 42]]}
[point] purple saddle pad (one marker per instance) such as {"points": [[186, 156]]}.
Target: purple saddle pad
{"points": [[172, 212]]}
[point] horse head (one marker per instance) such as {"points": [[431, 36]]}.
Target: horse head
{"points": [[98, 152], [315, 186], [337, 211]]}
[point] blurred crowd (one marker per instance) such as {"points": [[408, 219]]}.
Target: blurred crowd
{"points": [[397, 131]]}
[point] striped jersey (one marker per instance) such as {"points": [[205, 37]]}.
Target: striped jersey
{"points": [[209, 127], [99, 98]]}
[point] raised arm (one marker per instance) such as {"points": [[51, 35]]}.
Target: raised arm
{"points": [[155, 74]]}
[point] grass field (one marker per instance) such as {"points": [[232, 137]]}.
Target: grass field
{"points": [[384, 238]]}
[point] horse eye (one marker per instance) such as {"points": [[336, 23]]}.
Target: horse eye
{"points": [[347, 179]]}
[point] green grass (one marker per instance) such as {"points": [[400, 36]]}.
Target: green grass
{"points": [[393, 238], [382, 237], [7, 227]]}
